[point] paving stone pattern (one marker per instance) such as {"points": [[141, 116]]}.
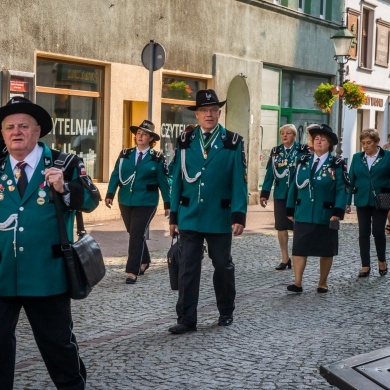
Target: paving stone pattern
{"points": [[277, 341]]}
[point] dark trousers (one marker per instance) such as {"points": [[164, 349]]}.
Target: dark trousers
{"points": [[219, 251], [137, 220], [368, 216], [51, 322]]}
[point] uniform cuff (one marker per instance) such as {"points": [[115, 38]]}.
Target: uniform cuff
{"points": [[290, 211], [173, 218], [338, 212], [76, 196], [167, 205], [265, 194], [239, 218], [110, 196]]}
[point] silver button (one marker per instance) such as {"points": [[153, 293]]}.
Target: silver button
{"points": [[21, 249], [202, 184], [21, 208], [203, 168], [21, 229], [201, 200]]}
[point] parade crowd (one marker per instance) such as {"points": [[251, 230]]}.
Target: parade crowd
{"points": [[205, 193]]}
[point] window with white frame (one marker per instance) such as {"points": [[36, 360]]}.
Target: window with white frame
{"points": [[322, 9], [367, 35], [301, 5]]}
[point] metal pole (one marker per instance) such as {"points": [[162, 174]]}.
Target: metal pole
{"points": [[151, 70], [339, 148]]}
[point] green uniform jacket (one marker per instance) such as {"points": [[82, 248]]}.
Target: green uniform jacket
{"points": [[33, 265], [280, 170], [210, 194], [322, 196], [139, 184], [360, 179]]}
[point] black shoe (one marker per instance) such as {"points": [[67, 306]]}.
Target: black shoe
{"points": [[142, 271], [364, 274], [383, 272], [294, 288], [225, 320], [181, 328], [283, 266], [322, 290], [131, 280]]}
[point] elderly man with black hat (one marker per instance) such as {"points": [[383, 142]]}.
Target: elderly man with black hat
{"points": [[139, 173], [208, 202], [316, 203], [32, 270]]}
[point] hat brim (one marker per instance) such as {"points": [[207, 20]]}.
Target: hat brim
{"points": [[332, 136], [134, 129], [39, 113], [194, 108]]}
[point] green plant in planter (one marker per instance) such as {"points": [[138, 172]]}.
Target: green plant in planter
{"points": [[354, 95], [179, 90], [324, 98]]}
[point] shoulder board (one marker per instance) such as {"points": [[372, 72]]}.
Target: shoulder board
{"points": [[231, 140], [185, 138], [339, 162], [303, 159], [275, 150], [125, 152], [303, 148], [156, 156]]}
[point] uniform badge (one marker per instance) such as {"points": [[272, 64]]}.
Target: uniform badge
{"points": [[41, 201], [41, 193], [11, 188], [9, 182], [4, 177], [1, 196]]}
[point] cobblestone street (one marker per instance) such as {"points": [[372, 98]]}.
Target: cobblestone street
{"points": [[277, 340]]}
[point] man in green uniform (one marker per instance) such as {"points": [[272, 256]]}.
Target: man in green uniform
{"points": [[32, 270], [208, 202]]}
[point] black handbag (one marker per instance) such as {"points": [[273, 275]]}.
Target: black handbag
{"points": [[173, 262], [382, 201], [83, 260]]}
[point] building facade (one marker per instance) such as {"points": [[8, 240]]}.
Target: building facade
{"points": [[83, 61]]}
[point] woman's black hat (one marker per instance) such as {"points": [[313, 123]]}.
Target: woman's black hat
{"points": [[325, 130], [147, 126]]}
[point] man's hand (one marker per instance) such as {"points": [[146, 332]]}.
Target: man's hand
{"points": [[263, 202], [55, 179], [237, 229], [108, 202], [172, 230], [291, 218], [348, 209]]}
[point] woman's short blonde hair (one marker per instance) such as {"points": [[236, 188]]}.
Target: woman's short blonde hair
{"points": [[289, 126], [370, 133]]}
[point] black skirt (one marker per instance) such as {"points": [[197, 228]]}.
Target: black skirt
{"points": [[280, 213], [312, 239]]}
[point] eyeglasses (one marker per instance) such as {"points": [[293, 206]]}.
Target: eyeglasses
{"points": [[208, 110]]}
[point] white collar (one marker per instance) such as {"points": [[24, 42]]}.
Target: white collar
{"points": [[31, 159]]}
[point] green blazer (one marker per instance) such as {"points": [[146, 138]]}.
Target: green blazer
{"points": [[280, 170], [34, 266], [209, 195], [360, 178], [139, 184], [316, 199]]}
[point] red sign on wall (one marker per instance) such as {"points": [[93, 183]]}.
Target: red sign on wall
{"points": [[18, 86]]}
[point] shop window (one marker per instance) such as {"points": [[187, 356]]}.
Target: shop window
{"points": [[177, 94], [72, 94]]}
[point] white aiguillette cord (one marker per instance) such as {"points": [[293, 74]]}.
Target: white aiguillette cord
{"points": [[5, 226]]}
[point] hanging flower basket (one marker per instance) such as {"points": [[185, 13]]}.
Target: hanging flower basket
{"points": [[324, 97], [354, 95]]}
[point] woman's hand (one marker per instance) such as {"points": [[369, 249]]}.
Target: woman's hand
{"points": [[334, 218], [263, 202], [108, 202], [348, 209], [291, 218]]}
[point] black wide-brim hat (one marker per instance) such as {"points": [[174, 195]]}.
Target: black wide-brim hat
{"points": [[325, 130], [206, 97], [147, 126], [21, 105]]}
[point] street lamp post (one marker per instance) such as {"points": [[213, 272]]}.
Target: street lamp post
{"points": [[342, 41]]}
